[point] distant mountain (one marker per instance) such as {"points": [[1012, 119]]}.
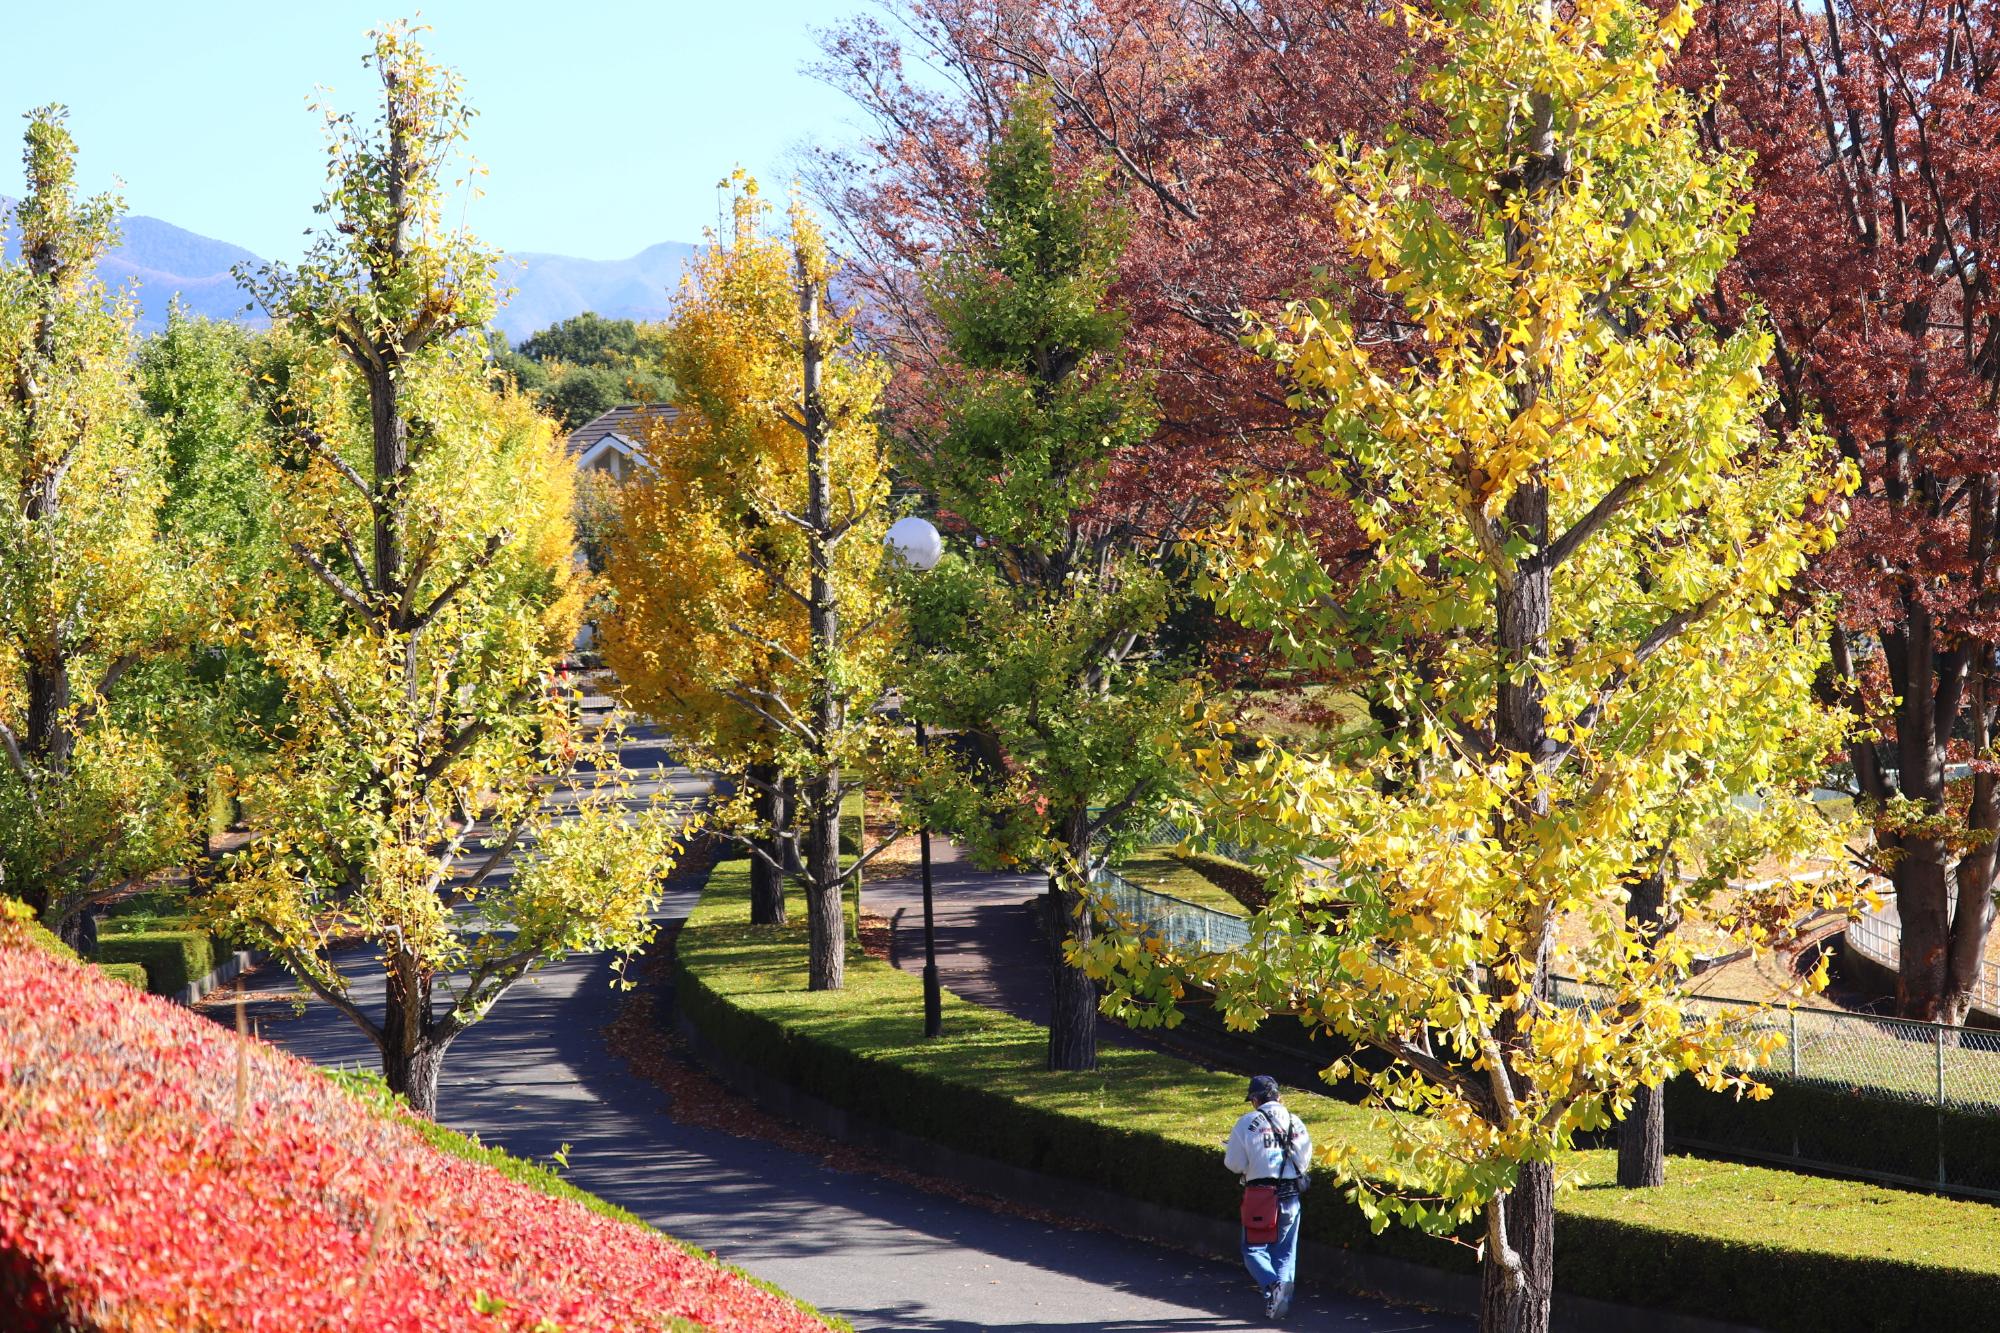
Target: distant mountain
{"points": [[553, 287], [164, 260]]}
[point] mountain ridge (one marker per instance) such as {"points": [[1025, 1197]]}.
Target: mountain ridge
{"points": [[165, 260]]}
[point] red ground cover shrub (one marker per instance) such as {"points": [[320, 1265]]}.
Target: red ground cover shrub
{"points": [[133, 1197]]}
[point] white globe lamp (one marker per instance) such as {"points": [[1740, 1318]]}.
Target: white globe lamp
{"points": [[915, 542]]}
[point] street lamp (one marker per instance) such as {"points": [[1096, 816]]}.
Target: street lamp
{"points": [[916, 543]]}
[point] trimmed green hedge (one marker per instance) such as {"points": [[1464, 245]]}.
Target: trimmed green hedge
{"points": [[1726, 1241], [1840, 1129], [1246, 884], [173, 959], [132, 974]]}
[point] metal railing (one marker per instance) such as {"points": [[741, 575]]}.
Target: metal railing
{"points": [[1176, 922], [1929, 1064], [1879, 939], [1945, 1079]]}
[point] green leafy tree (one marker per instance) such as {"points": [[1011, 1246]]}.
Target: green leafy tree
{"points": [[1582, 544], [205, 387], [583, 366], [432, 513], [90, 801], [1039, 634]]}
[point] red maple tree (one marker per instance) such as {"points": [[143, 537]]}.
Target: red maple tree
{"points": [[1208, 111], [1875, 126]]}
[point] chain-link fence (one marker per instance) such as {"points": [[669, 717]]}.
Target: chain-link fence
{"points": [[1880, 1098], [1853, 1094], [1925, 1063]]}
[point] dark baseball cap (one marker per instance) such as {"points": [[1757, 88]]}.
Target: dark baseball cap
{"points": [[1263, 1088]]}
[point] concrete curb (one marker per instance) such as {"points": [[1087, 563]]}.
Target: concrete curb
{"points": [[238, 963], [1362, 1274]]}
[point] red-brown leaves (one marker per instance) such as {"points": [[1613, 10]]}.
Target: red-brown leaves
{"points": [[130, 1201]]}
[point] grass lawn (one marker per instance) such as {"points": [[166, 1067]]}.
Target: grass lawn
{"points": [[1737, 1238], [1300, 716], [1157, 868]]}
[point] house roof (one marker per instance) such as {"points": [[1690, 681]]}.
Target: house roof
{"points": [[626, 427]]}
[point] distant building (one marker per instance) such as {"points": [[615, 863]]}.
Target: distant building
{"points": [[615, 441], [612, 444]]}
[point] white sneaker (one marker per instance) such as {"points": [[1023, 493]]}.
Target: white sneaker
{"points": [[1281, 1304]]}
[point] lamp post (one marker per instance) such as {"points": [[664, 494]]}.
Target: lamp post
{"points": [[917, 544]]}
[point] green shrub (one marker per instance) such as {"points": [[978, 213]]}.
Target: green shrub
{"points": [[1839, 1128], [143, 923], [132, 974], [1246, 884], [1737, 1243], [173, 959], [16, 915]]}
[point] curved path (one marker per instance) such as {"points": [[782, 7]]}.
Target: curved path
{"points": [[535, 1076]]}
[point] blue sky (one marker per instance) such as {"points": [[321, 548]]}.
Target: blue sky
{"points": [[603, 125]]}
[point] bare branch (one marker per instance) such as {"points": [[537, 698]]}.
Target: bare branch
{"points": [[340, 587]]}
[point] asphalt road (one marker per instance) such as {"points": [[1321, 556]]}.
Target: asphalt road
{"points": [[535, 1075]]}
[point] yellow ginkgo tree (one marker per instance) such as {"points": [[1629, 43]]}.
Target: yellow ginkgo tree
{"points": [[408, 808], [748, 565], [1576, 630], [91, 594]]}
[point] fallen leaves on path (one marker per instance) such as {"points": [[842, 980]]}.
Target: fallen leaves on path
{"points": [[640, 1036]]}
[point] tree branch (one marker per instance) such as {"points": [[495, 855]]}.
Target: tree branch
{"points": [[340, 587]]}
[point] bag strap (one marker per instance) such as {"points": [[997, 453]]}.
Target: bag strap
{"points": [[1285, 1138]]}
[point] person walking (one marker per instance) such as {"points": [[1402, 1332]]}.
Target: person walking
{"points": [[1271, 1150]]}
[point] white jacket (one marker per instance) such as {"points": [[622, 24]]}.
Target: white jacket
{"points": [[1256, 1153]]}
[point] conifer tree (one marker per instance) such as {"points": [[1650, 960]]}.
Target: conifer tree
{"points": [[1040, 632]]}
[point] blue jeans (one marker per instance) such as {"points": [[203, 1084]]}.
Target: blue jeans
{"points": [[1277, 1261]]}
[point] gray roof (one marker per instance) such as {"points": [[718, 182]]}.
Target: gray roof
{"points": [[631, 422]]}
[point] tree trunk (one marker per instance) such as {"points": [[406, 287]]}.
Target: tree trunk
{"points": [[412, 1049], [1923, 902], [826, 928], [1642, 1134], [1072, 994], [412, 1074], [1972, 917], [1642, 1140], [1515, 1298], [794, 860], [1929, 684], [767, 878]]}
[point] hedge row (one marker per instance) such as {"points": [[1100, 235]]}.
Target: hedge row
{"points": [[173, 959], [132, 974], [1840, 1129], [158, 1171], [1725, 1241]]}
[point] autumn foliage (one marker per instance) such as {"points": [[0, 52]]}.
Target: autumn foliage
{"points": [[159, 1172], [1873, 125], [1205, 115]]}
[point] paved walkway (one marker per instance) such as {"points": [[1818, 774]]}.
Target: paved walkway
{"points": [[991, 950], [535, 1076]]}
